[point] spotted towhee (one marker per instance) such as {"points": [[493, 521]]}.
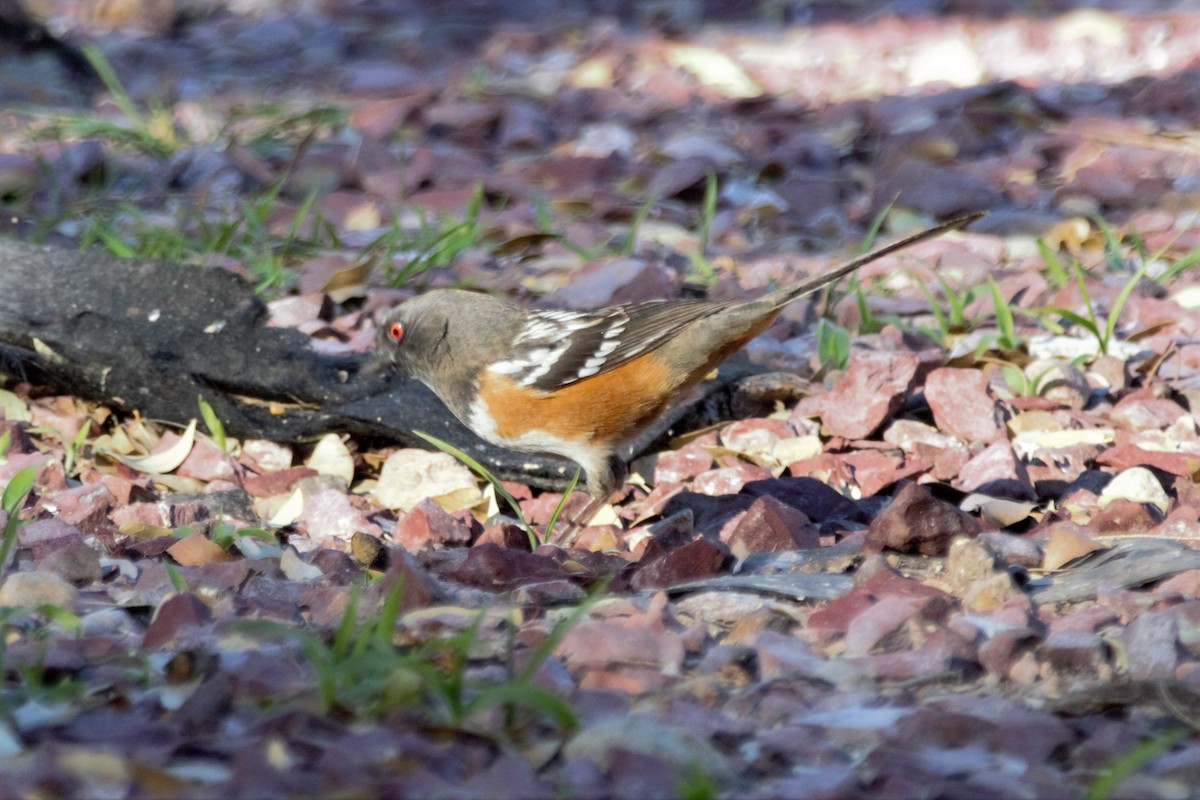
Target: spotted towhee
{"points": [[579, 384]]}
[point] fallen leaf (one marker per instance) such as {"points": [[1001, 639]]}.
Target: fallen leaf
{"points": [[1069, 234], [1028, 443], [296, 569], [290, 511], [166, 461], [997, 512], [1066, 545], [13, 407], [197, 550], [332, 457], [715, 70], [464, 497]]}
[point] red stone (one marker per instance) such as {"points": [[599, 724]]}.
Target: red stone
{"points": [[504, 534], [699, 558], [771, 526], [1128, 454], [1140, 411], [750, 435], [728, 480], [1150, 646], [172, 616], [270, 484], [917, 522], [834, 618], [491, 567], [84, 506], [1125, 516], [872, 388], [676, 466], [1074, 651], [997, 472], [962, 406], [873, 625], [873, 470], [428, 523]]}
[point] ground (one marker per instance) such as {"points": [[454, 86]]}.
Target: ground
{"points": [[956, 560]]}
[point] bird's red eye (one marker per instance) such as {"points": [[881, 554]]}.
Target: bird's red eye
{"points": [[396, 331]]}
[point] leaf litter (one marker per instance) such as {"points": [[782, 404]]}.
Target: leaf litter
{"points": [[960, 561]]}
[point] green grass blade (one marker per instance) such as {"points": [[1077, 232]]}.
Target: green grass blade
{"points": [[1087, 323], [534, 698], [708, 211], [64, 618], [115, 244], [73, 449], [1083, 293], [1015, 379], [1004, 316], [486, 474], [635, 225], [18, 488], [1186, 262], [1112, 243], [389, 612], [868, 323], [1054, 266], [344, 636], [562, 502], [1119, 303], [935, 308], [876, 225], [212, 422], [112, 83], [178, 582], [1115, 773], [833, 345]]}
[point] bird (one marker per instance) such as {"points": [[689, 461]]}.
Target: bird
{"points": [[580, 384]]}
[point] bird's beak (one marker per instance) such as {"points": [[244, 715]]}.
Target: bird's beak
{"points": [[376, 364]]}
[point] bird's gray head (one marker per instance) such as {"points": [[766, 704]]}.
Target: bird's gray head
{"points": [[444, 338], [412, 334]]}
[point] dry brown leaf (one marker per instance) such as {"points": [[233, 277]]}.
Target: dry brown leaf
{"points": [[714, 69], [1066, 545], [350, 276], [197, 550], [466, 497], [143, 530], [1070, 234]]}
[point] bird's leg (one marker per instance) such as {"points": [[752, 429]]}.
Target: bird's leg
{"points": [[600, 484], [565, 537]]}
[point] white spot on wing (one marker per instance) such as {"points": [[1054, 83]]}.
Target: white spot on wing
{"points": [[509, 367], [592, 366], [532, 377], [548, 336]]}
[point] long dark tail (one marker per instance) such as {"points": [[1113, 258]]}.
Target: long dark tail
{"points": [[812, 284]]}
